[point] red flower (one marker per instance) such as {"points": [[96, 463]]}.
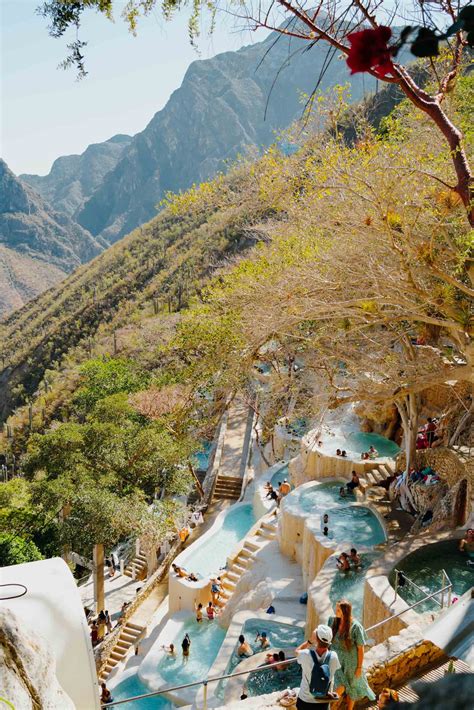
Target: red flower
{"points": [[369, 50]]}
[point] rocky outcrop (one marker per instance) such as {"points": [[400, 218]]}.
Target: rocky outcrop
{"points": [[73, 178], [224, 105], [33, 230], [28, 668]]}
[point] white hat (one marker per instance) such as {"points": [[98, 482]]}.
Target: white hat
{"points": [[324, 633]]}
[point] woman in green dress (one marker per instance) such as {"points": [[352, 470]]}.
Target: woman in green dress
{"points": [[348, 642]]}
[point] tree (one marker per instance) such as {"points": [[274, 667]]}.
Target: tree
{"points": [[16, 550], [355, 30]]}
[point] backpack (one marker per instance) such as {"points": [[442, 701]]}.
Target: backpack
{"points": [[320, 676]]}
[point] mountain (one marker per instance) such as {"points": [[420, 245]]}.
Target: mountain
{"points": [[73, 178], [217, 113], [38, 245]]}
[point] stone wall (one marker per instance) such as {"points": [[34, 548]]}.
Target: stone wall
{"points": [[102, 652]]}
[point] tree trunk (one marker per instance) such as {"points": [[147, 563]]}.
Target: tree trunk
{"points": [[196, 480], [99, 595], [409, 411]]}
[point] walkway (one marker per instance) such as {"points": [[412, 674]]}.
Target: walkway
{"points": [[118, 589], [237, 439]]}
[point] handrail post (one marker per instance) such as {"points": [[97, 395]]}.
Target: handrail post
{"points": [[396, 584], [443, 583], [204, 696]]}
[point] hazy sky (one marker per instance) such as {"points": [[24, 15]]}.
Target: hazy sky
{"points": [[46, 113]]}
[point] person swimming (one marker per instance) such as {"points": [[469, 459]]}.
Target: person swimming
{"points": [[343, 562], [263, 640], [244, 650]]}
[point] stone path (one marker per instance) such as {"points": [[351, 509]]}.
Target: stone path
{"points": [[237, 438]]}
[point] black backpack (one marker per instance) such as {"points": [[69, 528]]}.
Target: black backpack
{"points": [[320, 676]]}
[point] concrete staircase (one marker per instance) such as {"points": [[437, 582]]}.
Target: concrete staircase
{"points": [[227, 487], [408, 695], [137, 568], [130, 634], [379, 473], [246, 556]]}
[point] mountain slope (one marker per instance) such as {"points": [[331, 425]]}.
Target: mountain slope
{"points": [[35, 237], [73, 178], [218, 112]]}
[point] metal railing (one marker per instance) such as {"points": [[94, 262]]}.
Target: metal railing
{"points": [[260, 669], [446, 585]]}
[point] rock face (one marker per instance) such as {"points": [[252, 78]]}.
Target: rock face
{"points": [[28, 669], [224, 105], [73, 178], [38, 245]]}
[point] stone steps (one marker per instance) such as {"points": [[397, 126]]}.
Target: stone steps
{"points": [[127, 639], [227, 487], [138, 567]]}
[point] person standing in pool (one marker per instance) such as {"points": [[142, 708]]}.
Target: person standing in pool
{"points": [[186, 645], [244, 650], [348, 641], [263, 640], [199, 612], [467, 544]]}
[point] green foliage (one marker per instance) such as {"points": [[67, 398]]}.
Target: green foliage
{"points": [[104, 377], [16, 550]]}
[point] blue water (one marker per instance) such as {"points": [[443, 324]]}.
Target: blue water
{"points": [[211, 555], [424, 567], [321, 497], [357, 525], [270, 680], [201, 458], [281, 636], [133, 686], [206, 640], [350, 585], [360, 442]]}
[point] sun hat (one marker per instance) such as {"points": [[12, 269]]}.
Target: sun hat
{"points": [[324, 633]]}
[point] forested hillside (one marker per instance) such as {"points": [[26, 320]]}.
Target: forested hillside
{"points": [[320, 255]]}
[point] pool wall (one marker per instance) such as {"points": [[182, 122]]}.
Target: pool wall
{"points": [[320, 606], [262, 504], [380, 600], [219, 667], [300, 537], [184, 594]]}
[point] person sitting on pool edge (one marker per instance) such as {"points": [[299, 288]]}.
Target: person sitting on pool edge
{"points": [[244, 650], [284, 488], [262, 640], [181, 572], [353, 483]]}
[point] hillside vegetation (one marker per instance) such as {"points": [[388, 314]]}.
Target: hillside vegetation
{"points": [[351, 258]]}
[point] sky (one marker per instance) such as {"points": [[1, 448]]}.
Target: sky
{"points": [[45, 112]]}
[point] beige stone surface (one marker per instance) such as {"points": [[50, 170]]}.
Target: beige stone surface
{"points": [[28, 668]]}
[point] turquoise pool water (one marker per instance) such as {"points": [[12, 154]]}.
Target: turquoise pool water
{"points": [[350, 585], [212, 554], [356, 524], [356, 442], [280, 636], [206, 640], [201, 458], [269, 681], [424, 567], [133, 686], [321, 497]]}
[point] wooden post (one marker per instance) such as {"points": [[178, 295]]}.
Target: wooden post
{"points": [[99, 559], [30, 416], [155, 306]]}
